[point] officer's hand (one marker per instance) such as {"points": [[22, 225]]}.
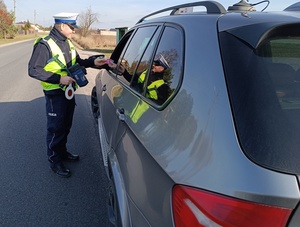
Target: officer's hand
{"points": [[99, 62], [66, 80], [120, 68]]}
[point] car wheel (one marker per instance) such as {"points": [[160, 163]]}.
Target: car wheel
{"points": [[114, 219], [94, 103]]}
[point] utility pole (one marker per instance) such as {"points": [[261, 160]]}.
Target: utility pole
{"points": [[14, 11]]}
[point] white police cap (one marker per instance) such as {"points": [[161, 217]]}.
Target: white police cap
{"points": [[66, 18], [162, 61]]}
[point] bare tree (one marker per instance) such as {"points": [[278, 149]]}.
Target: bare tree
{"points": [[85, 21]]}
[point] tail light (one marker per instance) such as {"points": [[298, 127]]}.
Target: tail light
{"points": [[199, 208]]}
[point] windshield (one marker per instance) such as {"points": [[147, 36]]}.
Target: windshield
{"points": [[264, 91]]}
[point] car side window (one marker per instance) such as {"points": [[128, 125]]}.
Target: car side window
{"points": [[165, 71], [132, 54], [142, 69]]}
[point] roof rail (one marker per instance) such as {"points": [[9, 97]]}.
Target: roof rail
{"points": [[212, 7]]}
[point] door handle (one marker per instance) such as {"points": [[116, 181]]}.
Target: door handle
{"points": [[104, 87], [120, 114]]}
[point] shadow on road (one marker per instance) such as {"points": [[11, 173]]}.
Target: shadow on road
{"points": [[31, 194]]}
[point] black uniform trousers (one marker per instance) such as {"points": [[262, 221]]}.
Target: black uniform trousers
{"points": [[60, 113]]}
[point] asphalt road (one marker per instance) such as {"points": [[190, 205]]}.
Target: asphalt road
{"points": [[30, 193]]}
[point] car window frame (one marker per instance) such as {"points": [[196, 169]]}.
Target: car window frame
{"points": [[180, 79], [123, 45]]}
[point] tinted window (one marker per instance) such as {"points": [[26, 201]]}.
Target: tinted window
{"points": [[132, 55], [264, 90], [144, 65], [170, 50], [153, 62]]}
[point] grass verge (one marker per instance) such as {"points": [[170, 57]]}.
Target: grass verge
{"points": [[107, 51], [19, 38]]}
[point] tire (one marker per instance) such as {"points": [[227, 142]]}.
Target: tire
{"points": [[94, 104]]}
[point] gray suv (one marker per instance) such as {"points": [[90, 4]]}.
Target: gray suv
{"points": [[199, 122]]}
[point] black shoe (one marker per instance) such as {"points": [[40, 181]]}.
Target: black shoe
{"points": [[60, 170], [70, 157]]}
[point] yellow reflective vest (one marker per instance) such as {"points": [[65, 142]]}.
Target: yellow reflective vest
{"points": [[151, 88], [141, 107], [53, 65]]}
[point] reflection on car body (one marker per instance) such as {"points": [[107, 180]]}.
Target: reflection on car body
{"points": [[222, 147]]}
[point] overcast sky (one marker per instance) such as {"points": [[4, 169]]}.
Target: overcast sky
{"points": [[111, 13]]}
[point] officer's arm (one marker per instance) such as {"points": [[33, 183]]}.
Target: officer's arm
{"points": [[37, 62], [91, 62]]}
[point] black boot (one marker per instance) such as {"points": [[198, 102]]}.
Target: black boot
{"points": [[60, 170], [67, 156]]}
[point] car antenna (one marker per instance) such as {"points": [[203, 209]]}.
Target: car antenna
{"points": [[243, 5]]}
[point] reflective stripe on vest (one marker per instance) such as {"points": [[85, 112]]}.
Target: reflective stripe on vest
{"points": [[140, 108], [151, 88], [52, 65], [142, 77]]}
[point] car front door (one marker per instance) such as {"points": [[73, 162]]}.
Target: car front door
{"points": [[142, 115]]}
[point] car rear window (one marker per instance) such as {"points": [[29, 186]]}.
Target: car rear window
{"points": [[264, 90]]}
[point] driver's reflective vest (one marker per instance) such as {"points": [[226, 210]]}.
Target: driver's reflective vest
{"points": [[53, 65]]}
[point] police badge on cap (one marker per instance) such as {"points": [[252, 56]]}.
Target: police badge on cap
{"points": [[162, 61], [66, 18]]}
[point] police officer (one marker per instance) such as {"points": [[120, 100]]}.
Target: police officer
{"points": [[50, 57]]}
